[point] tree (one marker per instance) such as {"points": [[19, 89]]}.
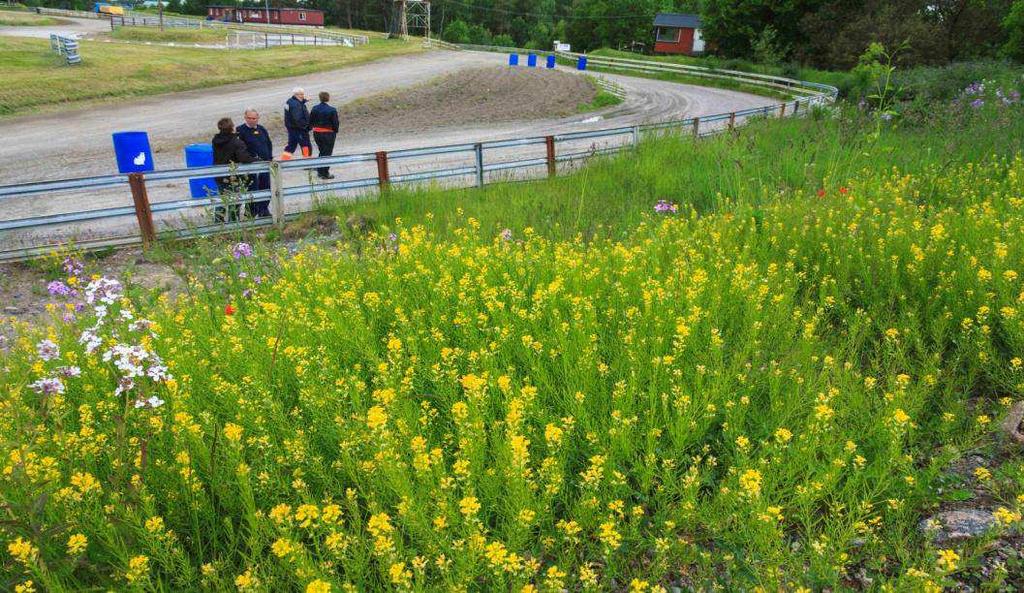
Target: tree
{"points": [[1013, 25]]}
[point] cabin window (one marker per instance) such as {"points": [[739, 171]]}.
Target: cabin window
{"points": [[668, 35], [302, 16]]}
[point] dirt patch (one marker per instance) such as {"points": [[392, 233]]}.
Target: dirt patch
{"points": [[471, 97]]}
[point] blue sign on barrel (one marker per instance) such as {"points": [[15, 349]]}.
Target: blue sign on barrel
{"points": [[132, 152], [581, 64], [513, 59], [551, 61], [531, 60], [200, 155]]}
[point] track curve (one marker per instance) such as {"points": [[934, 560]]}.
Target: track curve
{"points": [[31, 151]]}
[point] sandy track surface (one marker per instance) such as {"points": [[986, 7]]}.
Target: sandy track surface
{"points": [[468, 97], [31, 152], [81, 27]]}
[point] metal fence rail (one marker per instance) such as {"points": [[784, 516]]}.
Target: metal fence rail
{"points": [[480, 162]]}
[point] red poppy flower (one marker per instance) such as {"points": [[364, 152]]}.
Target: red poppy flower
{"points": [[844, 190], [229, 309], [821, 193]]}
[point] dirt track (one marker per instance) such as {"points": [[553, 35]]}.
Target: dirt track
{"points": [[32, 152], [81, 27]]}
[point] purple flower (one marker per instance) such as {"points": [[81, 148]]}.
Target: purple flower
{"points": [[666, 207], [47, 350], [73, 267], [58, 288], [242, 250], [104, 290], [48, 386], [70, 372], [977, 103]]}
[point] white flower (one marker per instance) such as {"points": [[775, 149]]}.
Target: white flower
{"points": [[47, 350]]}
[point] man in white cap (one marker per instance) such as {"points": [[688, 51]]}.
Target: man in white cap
{"points": [[296, 121]]}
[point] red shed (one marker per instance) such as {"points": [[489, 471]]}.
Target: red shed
{"points": [[257, 14], [678, 34]]}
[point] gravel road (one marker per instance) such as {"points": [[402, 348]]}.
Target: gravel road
{"points": [[31, 152], [80, 27]]}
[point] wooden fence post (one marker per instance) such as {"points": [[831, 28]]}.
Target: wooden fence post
{"points": [[137, 183], [796, 106], [383, 176], [696, 127], [276, 194], [732, 121], [782, 110], [636, 136], [552, 163]]}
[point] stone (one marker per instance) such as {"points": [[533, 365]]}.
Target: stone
{"points": [[959, 525]]}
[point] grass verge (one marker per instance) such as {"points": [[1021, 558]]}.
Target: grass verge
{"points": [[116, 71], [13, 18], [169, 35], [602, 99]]}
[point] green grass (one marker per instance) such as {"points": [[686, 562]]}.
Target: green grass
{"points": [[170, 35], [111, 72], [12, 18], [549, 384], [602, 99]]}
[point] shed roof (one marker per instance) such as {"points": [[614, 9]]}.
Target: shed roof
{"points": [[677, 20]]}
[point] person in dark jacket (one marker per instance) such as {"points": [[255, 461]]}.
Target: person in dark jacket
{"points": [[228, 148], [257, 140], [323, 119], [296, 121]]}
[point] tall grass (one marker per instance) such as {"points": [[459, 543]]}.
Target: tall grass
{"points": [[551, 386]]}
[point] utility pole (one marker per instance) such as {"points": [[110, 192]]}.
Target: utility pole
{"points": [[160, 6]]}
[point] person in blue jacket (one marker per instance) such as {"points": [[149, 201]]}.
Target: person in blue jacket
{"points": [[323, 119], [257, 141], [296, 121]]}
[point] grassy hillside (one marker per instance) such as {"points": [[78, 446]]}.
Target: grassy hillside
{"points": [[111, 72], [748, 369]]}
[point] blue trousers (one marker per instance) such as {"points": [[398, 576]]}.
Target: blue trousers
{"points": [[298, 138]]}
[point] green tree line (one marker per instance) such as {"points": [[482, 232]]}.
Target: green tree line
{"points": [[820, 33]]}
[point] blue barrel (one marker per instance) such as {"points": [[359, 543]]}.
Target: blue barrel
{"points": [[513, 59], [200, 155], [551, 61], [581, 64], [531, 60], [132, 152]]}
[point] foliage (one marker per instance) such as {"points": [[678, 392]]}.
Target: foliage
{"points": [[642, 376], [1014, 26]]}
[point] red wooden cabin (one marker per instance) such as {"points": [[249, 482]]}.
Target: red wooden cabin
{"points": [[256, 14], [678, 34]]}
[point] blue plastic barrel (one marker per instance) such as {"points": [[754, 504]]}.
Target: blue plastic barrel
{"points": [[132, 152], [200, 155], [531, 60], [513, 59], [581, 64], [551, 61]]}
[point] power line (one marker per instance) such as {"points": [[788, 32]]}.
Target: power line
{"points": [[551, 16]]}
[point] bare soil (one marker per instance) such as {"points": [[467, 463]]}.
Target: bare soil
{"points": [[468, 97]]}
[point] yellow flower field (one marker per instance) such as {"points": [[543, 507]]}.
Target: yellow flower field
{"points": [[757, 399]]}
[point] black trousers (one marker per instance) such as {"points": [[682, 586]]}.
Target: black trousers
{"points": [[258, 208], [325, 145]]}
